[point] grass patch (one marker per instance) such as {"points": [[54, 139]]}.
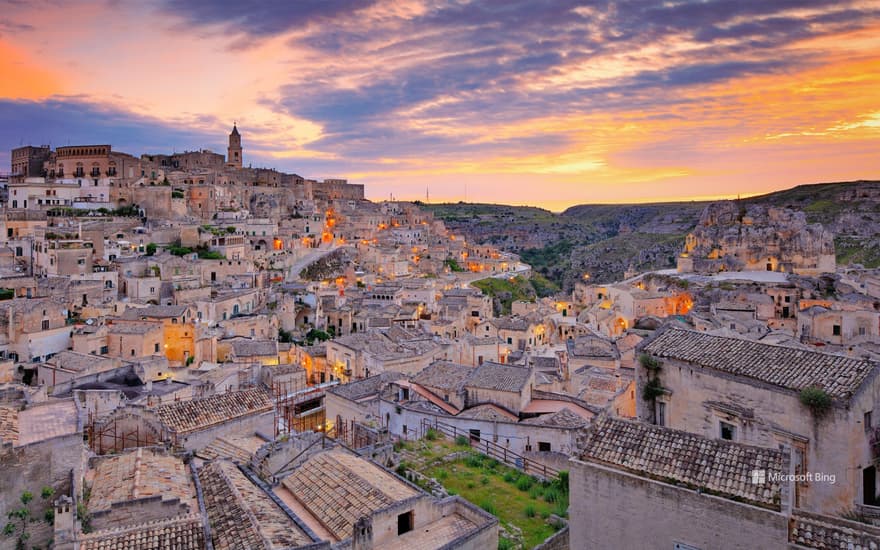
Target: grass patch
{"points": [[507, 290], [525, 484], [516, 498]]}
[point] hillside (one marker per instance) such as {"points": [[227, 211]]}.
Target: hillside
{"points": [[604, 240]]}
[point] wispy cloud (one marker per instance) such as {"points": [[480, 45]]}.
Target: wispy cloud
{"points": [[577, 95]]}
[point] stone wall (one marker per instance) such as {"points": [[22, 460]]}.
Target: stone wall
{"points": [[49, 463], [557, 541], [613, 509], [138, 511]]}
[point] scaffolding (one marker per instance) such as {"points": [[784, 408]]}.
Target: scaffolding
{"points": [[298, 408], [110, 437]]}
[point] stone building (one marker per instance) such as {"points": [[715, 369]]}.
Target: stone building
{"points": [[753, 393], [732, 237], [691, 492]]}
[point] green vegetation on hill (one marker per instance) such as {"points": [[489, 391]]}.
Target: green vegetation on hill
{"points": [[514, 289], [604, 239], [552, 260], [854, 250]]}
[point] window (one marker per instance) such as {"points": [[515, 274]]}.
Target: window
{"points": [[868, 421], [835, 330], [156, 347], [862, 331], [404, 521], [728, 431], [132, 353], [474, 436], [509, 340], [661, 413], [45, 324], [544, 446], [105, 350]]}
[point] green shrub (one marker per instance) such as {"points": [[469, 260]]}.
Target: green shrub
{"points": [[561, 509], [648, 362], [551, 495], [505, 544], [470, 485], [530, 510], [484, 480], [488, 506], [524, 483], [511, 477], [462, 441], [652, 390], [442, 474], [474, 460], [817, 400], [535, 492], [431, 434]]}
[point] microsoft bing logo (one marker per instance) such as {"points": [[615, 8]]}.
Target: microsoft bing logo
{"points": [[759, 477]]}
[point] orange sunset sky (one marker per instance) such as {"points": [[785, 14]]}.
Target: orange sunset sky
{"points": [[522, 102]]}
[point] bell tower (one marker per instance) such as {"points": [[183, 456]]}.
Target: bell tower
{"points": [[233, 153]]}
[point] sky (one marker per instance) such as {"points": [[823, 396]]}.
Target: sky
{"points": [[509, 101]]}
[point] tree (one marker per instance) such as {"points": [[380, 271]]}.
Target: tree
{"points": [[151, 249], [19, 518]]}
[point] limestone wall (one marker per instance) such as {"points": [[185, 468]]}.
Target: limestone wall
{"points": [[613, 509]]}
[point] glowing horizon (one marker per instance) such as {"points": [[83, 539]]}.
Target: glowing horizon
{"points": [[614, 102]]}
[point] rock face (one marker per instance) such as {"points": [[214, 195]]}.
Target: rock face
{"points": [[731, 237]]}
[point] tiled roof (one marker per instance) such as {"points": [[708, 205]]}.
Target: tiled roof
{"points": [[561, 419], [183, 533], [488, 411], [81, 362], [242, 516], [444, 375], [154, 312], [716, 466], [781, 366], [814, 531], [9, 425], [134, 327], [253, 348], [48, 420], [140, 474], [499, 377], [188, 416], [510, 323], [338, 488], [368, 386]]}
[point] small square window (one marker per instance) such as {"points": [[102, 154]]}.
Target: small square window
{"points": [[835, 330], [868, 421], [728, 431]]}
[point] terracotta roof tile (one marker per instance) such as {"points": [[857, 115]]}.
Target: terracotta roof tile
{"points": [[183, 533], [716, 466], [781, 366], [242, 515], [187, 416], [338, 488]]}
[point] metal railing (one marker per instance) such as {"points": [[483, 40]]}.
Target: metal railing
{"points": [[492, 450]]}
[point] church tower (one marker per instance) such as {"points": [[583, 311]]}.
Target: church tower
{"points": [[233, 156]]}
